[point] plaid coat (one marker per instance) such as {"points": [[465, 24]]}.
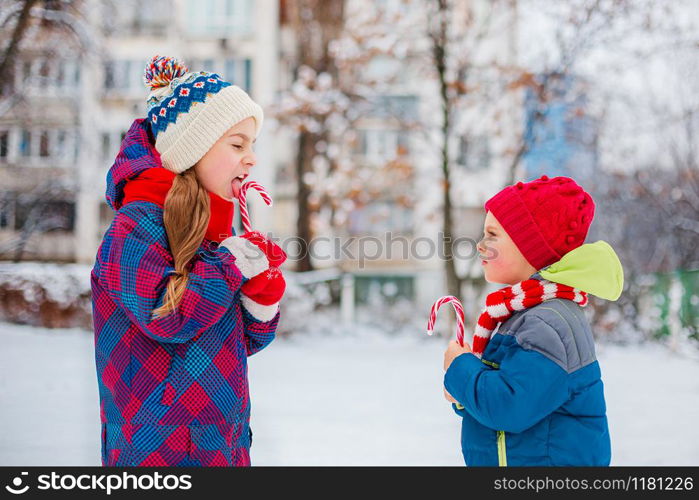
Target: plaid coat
{"points": [[173, 391]]}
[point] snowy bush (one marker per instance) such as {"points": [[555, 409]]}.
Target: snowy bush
{"points": [[314, 309], [46, 294]]}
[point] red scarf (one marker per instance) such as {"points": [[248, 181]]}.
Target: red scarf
{"points": [[153, 185], [501, 304]]}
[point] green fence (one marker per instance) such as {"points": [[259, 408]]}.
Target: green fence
{"points": [[677, 293]]}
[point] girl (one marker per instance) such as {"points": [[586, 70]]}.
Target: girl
{"points": [[178, 302]]}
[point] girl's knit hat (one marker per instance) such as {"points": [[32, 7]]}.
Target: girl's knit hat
{"points": [[189, 111], [546, 218]]}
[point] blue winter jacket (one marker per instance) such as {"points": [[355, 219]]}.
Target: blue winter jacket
{"points": [[536, 397]]}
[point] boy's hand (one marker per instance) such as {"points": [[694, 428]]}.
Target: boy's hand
{"points": [[454, 349], [449, 397]]}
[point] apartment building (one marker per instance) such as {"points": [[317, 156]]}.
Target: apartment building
{"points": [[73, 105], [77, 104]]}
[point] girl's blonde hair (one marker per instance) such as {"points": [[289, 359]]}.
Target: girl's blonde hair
{"points": [[186, 216]]}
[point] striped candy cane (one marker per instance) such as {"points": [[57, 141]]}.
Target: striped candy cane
{"points": [[244, 216], [458, 308]]}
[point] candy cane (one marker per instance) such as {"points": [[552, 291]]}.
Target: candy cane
{"points": [[458, 308], [245, 218]]}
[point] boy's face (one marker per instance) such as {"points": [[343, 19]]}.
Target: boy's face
{"points": [[224, 167], [501, 259]]}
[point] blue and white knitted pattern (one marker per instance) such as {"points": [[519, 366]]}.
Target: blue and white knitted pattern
{"points": [[189, 90], [191, 112]]}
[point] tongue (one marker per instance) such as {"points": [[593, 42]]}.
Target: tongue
{"points": [[235, 185]]}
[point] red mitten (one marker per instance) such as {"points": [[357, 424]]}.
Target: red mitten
{"points": [[275, 255], [262, 293]]}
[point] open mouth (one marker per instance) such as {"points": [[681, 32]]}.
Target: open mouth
{"points": [[236, 184]]}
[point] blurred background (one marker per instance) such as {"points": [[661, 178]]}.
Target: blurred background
{"points": [[388, 124]]}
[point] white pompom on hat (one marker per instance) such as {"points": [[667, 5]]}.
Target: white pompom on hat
{"points": [[190, 111]]}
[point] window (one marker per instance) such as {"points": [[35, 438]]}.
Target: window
{"points": [[76, 76], [25, 143], [59, 148], [384, 68], [148, 18], [239, 72], [22, 214], [56, 144], [44, 73], [208, 65], [61, 214], [106, 215], [60, 74], [52, 4], [248, 75], [127, 18], [110, 143], [393, 8], [4, 144], [230, 71], [388, 288], [127, 71], [403, 144], [52, 215], [26, 71], [381, 217], [47, 73], [474, 153], [7, 209], [67, 74], [109, 80], [4, 217], [382, 144], [106, 145], [123, 75], [400, 107], [220, 18], [44, 144]]}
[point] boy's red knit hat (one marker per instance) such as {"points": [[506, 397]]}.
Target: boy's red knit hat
{"points": [[546, 218]]}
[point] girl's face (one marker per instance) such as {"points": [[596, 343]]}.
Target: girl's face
{"points": [[224, 167], [501, 259]]}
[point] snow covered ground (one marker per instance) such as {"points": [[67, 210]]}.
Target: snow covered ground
{"points": [[360, 400]]}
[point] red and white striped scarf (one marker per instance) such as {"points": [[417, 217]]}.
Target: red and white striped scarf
{"points": [[501, 304]]}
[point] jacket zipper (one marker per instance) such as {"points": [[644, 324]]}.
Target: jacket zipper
{"points": [[502, 449], [502, 446]]}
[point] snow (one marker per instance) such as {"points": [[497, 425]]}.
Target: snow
{"points": [[62, 283], [363, 399]]}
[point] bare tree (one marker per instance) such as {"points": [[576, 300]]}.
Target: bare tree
{"points": [[467, 83], [648, 207], [21, 10], [330, 94], [316, 24], [32, 217], [34, 19], [51, 29]]}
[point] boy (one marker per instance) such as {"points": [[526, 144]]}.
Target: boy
{"points": [[532, 394]]}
